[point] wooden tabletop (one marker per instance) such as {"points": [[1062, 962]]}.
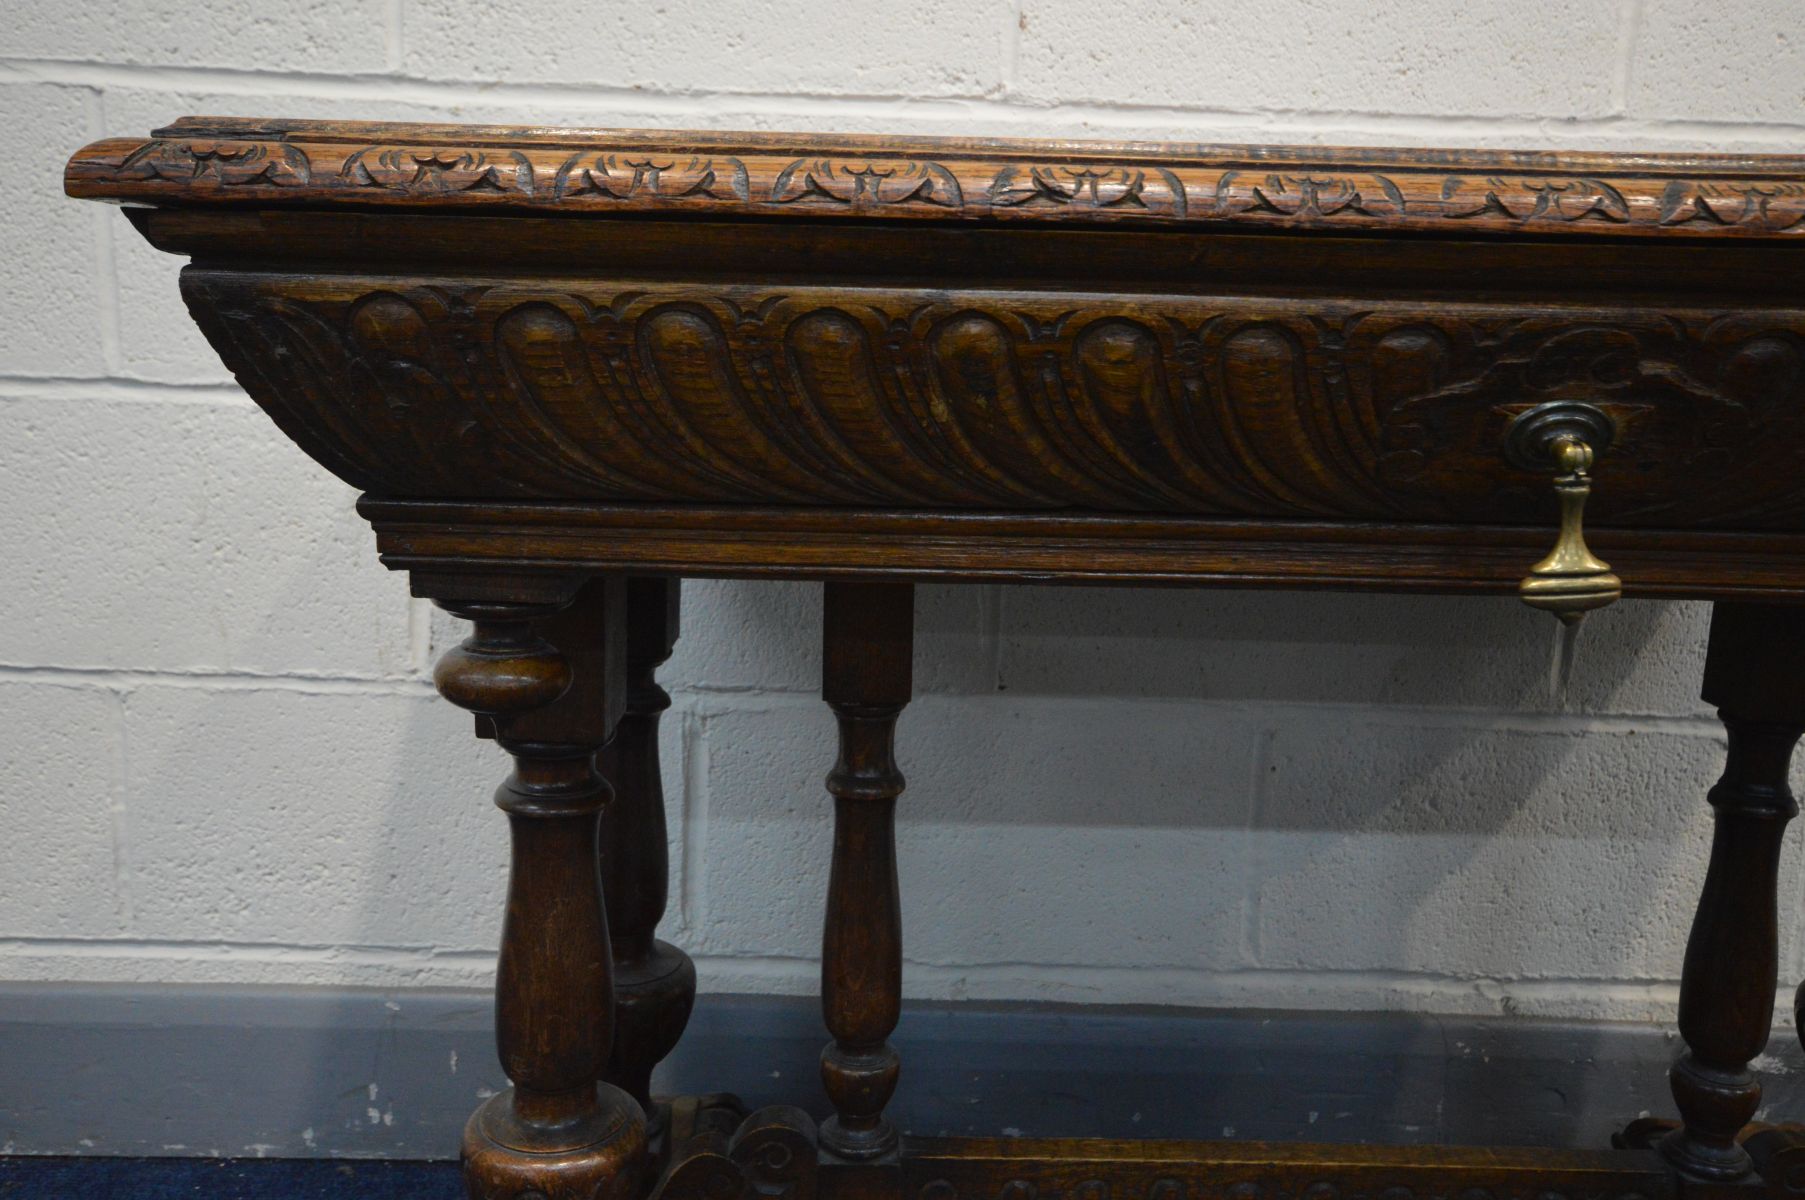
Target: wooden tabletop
{"points": [[458, 168], [866, 356]]}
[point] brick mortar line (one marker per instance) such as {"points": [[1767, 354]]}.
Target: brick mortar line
{"points": [[100, 947], [1252, 893], [1000, 982], [705, 702], [1629, 33], [394, 19], [1009, 72], [1256, 987], [1411, 716], [106, 257], [117, 388], [692, 836], [434, 92], [124, 910], [116, 679]]}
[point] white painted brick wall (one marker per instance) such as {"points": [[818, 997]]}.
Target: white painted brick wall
{"points": [[222, 760]]}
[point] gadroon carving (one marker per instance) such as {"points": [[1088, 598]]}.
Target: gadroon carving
{"points": [[1020, 402]]}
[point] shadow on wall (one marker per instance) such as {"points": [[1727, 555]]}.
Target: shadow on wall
{"points": [[1433, 820], [1333, 801], [334, 830], [1242, 798], [1190, 798], [1392, 783], [1485, 653]]}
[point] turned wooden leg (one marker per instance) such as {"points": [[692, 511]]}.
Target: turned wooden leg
{"points": [[865, 677], [547, 681], [654, 982], [1755, 675]]}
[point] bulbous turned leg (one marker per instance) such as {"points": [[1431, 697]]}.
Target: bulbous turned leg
{"points": [[867, 647], [654, 981], [1755, 674], [546, 683]]}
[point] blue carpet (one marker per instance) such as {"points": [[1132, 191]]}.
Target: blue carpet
{"points": [[225, 1179]]}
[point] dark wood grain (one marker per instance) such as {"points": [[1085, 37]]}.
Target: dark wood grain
{"points": [[866, 672], [1754, 675], [772, 1154], [1087, 1169], [1298, 338], [799, 543], [654, 981], [978, 255], [568, 367], [539, 676], [1346, 407]]}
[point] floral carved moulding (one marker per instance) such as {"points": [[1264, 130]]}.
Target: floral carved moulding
{"points": [[212, 160]]}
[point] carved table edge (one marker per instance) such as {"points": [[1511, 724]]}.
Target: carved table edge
{"points": [[258, 162]]}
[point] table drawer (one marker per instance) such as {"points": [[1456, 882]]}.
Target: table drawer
{"points": [[1391, 409]]}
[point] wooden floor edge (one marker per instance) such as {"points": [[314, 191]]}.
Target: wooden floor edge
{"points": [[1087, 1169], [1049, 1150]]}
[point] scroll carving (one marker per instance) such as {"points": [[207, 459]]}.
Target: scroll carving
{"points": [[1029, 402], [1699, 391], [771, 1156], [1773, 205], [223, 163], [1535, 199], [1314, 196], [432, 172], [1152, 190], [867, 183], [628, 176]]}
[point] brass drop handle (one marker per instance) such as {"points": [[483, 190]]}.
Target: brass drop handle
{"points": [[1565, 436]]}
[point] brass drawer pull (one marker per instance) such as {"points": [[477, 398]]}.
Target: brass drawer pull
{"points": [[1565, 437]]}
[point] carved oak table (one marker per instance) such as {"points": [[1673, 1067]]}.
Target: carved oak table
{"points": [[567, 368]]}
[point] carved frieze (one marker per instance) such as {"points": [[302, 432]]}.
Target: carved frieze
{"points": [[1232, 406]]}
